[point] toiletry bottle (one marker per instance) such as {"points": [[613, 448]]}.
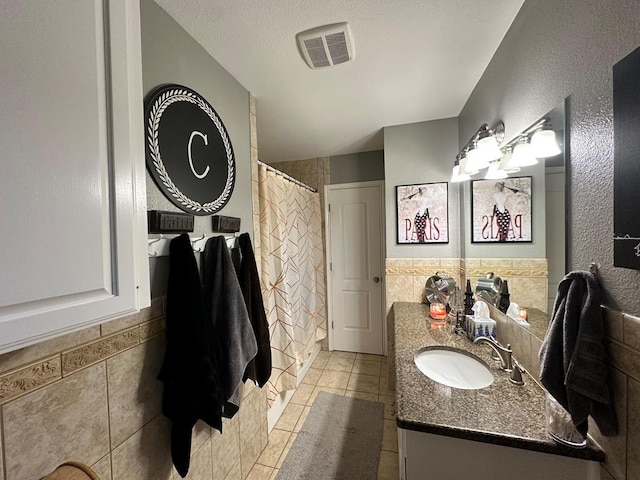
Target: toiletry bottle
{"points": [[503, 301], [468, 299]]}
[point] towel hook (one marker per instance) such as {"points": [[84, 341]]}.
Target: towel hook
{"points": [[154, 252], [196, 240], [155, 240], [594, 268]]}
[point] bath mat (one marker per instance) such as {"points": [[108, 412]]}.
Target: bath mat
{"points": [[339, 440]]}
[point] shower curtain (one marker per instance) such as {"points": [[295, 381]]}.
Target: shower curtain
{"points": [[292, 275]]}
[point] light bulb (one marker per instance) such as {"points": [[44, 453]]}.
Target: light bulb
{"points": [[543, 143], [488, 146], [458, 176], [465, 168], [523, 156], [476, 160], [505, 163], [494, 172]]}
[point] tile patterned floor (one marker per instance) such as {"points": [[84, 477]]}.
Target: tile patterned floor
{"points": [[343, 373]]}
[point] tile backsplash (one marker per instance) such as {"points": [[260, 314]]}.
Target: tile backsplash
{"points": [[93, 397], [527, 277]]}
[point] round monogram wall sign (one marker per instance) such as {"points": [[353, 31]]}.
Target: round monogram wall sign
{"points": [[188, 150]]}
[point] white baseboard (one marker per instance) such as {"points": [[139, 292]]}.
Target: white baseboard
{"points": [[282, 400]]}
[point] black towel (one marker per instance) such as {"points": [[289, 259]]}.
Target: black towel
{"points": [[259, 369], [230, 320], [192, 389], [573, 358]]}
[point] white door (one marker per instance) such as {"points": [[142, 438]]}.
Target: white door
{"points": [[355, 281], [72, 185]]}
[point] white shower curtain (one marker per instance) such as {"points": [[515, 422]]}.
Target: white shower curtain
{"points": [[292, 275]]}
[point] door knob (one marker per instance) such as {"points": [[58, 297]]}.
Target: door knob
{"points": [[376, 279]]}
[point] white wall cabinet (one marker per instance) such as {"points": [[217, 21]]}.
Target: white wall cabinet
{"points": [[72, 178]]}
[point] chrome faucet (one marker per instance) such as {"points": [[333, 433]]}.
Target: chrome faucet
{"points": [[504, 353]]}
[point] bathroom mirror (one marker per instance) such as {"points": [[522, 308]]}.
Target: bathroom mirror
{"points": [[534, 270]]}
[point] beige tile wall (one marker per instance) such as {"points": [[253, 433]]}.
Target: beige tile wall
{"points": [[97, 401], [254, 178], [406, 277], [527, 277], [314, 172]]}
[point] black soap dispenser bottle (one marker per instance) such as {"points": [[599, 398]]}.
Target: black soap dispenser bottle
{"points": [[468, 299], [503, 301]]}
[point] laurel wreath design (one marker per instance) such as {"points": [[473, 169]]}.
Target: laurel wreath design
{"points": [[159, 106]]}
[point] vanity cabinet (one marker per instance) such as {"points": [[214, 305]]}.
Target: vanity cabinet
{"points": [[425, 456], [72, 178], [498, 431]]}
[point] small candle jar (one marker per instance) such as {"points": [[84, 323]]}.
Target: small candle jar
{"points": [[522, 313], [438, 311]]}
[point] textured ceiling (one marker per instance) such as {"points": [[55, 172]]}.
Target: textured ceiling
{"points": [[415, 61]]}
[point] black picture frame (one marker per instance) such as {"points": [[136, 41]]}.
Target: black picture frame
{"points": [[422, 213], [501, 210], [626, 168]]}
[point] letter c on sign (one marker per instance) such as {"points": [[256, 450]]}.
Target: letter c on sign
{"points": [[193, 170]]}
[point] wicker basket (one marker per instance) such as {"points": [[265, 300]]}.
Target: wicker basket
{"points": [[72, 471]]}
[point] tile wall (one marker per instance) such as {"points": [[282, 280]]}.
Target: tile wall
{"points": [[255, 195], [406, 277], [527, 277], [623, 346], [314, 172], [93, 397]]}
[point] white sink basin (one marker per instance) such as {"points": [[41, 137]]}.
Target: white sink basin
{"points": [[454, 368]]}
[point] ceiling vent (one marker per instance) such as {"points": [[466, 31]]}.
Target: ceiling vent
{"points": [[326, 46]]}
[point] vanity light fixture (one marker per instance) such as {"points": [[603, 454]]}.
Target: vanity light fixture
{"points": [[522, 155], [482, 148], [544, 144], [494, 172], [476, 159], [489, 148], [485, 149], [457, 175], [464, 167], [505, 161]]}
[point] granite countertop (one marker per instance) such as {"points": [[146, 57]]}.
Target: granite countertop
{"points": [[502, 413]]}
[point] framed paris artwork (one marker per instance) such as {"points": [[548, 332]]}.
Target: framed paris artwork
{"points": [[423, 213], [501, 210]]}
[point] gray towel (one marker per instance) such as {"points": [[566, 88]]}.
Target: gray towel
{"points": [[230, 320], [573, 358]]}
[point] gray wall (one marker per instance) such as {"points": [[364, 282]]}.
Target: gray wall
{"points": [[170, 55], [357, 167], [554, 50], [421, 153]]}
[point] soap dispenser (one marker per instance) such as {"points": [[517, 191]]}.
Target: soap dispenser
{"points": [[468, 299], [503, 300]]}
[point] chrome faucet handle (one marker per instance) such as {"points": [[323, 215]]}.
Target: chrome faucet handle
{"points": [[503, 352], [516, 374]]}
